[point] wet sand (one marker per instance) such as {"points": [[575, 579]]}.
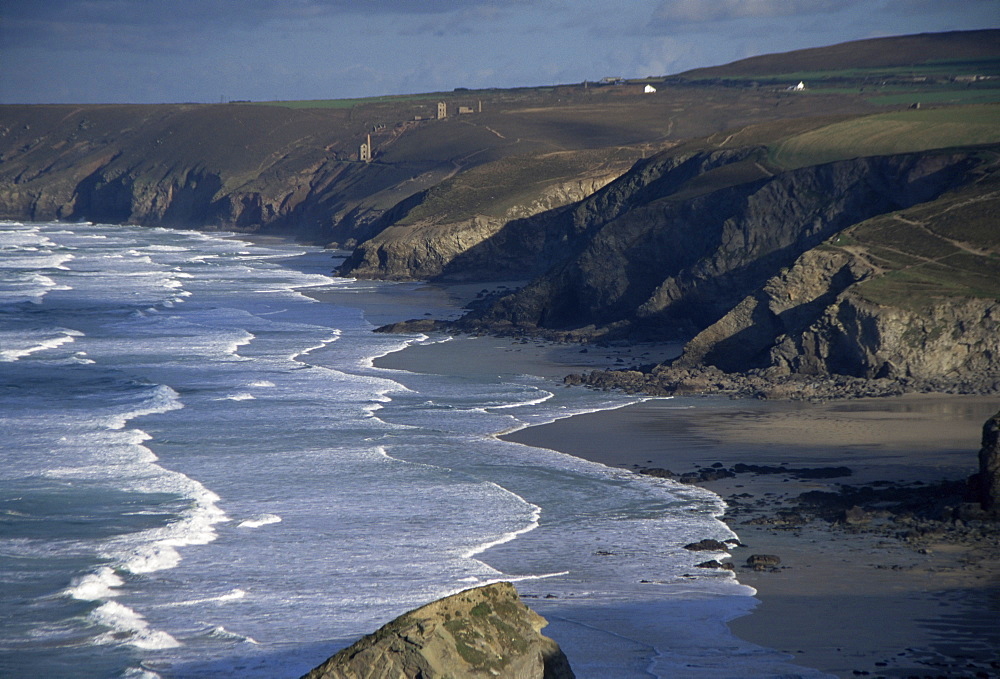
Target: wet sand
{"points": [[842, 602]]}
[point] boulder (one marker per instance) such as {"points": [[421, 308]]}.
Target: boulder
{"points": [[707, 546], [761, 562], [481, 632], [716, 565]]}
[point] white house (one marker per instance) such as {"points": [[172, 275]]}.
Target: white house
{"points": [[649, 89], [801, 86]]}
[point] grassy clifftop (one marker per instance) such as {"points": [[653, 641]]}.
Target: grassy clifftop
{"points": [[889, 133], [948, 248]]}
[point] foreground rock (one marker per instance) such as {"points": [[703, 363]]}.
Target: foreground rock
{"points": [[481, 632]]}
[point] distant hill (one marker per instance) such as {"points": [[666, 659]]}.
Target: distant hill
{"points": [[906, 50]]}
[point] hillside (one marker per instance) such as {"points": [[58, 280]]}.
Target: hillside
{"points": [[932, 68], [913, 51], [294, 169]]}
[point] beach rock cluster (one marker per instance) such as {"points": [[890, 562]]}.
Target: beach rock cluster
{"points": [[776, 384], [720, 471], [483, 632]]}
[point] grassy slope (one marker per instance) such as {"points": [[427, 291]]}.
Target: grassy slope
{"points": [[889, 133], [949, 247], [493, 189]]}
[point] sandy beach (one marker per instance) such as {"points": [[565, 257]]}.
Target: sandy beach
{"points": [[848, 599]]}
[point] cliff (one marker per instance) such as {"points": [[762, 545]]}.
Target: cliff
{"points": [[905, 301], [445, 233], [481, 632], [674, 245]]}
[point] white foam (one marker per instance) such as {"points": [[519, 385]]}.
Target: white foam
{"points": [[240, 396], [369, 361], [33, 343], [221, 632], [46, 260], [536, 513], [151, 558], [332, 338], [262, 383], [139, 673], [258, 521], [93, 586], [129, 627], [234, 346], [233, 595], [531, 402], [163, 400], [157, 548]]}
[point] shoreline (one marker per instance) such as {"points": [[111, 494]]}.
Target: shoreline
{"points": [[844, 599], [885, 603]]}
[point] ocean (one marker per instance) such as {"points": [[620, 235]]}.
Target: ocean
{"points": [[203, 474]]}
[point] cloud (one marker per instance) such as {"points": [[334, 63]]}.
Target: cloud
{"points": [[698, 11], [71, 24], [671, 12]]}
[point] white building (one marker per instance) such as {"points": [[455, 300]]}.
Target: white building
{"points": [[649, 89]]}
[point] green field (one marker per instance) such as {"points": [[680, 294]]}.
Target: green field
{"points": [[966, 95], [887, 133]]}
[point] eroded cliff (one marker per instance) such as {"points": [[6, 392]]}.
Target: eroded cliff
{"points": [[905, 301]]}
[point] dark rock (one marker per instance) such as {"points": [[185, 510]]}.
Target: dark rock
{"points": [[414, 326], [716, 565], [801, 473], [658, 472], [707, 546], [761, 562], [987, 481], [485, 631], [856, 515], [705, 475]]}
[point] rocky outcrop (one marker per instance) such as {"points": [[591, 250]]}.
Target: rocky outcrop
{"points": [[955, 340], [784, 306], [986, 483], [481, 632]]}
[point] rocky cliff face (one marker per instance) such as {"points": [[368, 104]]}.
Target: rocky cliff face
{"points": [[257, 168], [956, 339], [435, 248], [482, 632], [644, 258]]}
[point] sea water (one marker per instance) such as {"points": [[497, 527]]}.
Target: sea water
{"points": [[203, 475]]}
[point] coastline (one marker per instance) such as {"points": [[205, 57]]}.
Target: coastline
{"points": [[844, 600]]}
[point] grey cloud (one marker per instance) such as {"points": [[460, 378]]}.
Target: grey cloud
{"points": [[71, 23], [698, 11]]}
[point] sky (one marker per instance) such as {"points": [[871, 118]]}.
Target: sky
{"points": [[160, 51]]}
